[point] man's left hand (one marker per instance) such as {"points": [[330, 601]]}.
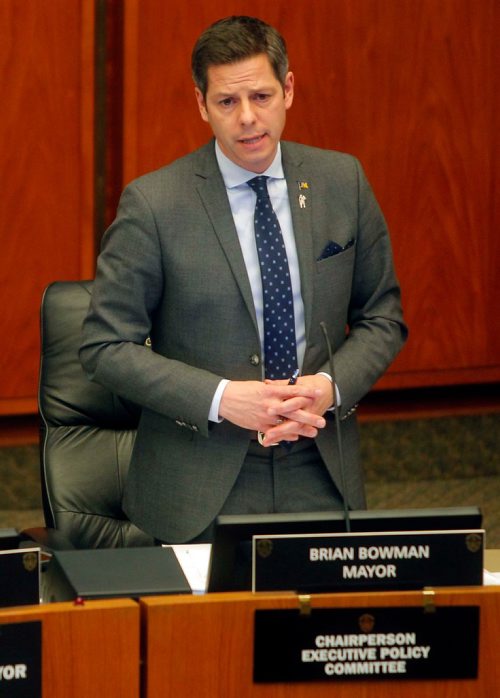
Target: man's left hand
{"points": [[295, 420]]}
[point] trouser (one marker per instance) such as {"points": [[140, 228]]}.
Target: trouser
{"points": [[280, 480]]}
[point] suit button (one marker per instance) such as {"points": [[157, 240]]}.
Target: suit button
{"points": [[255, 359]]}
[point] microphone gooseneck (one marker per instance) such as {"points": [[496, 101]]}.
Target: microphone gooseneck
{"points": [[336, 417]]}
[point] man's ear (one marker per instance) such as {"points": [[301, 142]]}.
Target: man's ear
{"points": [[201, 103], [288, 90]]}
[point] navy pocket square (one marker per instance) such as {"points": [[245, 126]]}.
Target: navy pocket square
{"points": [[333, 248]]}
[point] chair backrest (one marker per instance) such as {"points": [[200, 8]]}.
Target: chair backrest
{"points": [[87, 433]]}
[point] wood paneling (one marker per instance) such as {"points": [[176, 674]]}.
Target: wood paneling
{"points": [[202, 645], [46, 141], [89, 650], [408, 87]]}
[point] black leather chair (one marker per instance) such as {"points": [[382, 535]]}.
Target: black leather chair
{"points": [[87, 433]]}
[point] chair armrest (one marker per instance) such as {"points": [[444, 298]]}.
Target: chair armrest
{"points": [[48, 539]]}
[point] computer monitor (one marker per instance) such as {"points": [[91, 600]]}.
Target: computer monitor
{"points": [[230, 566], [9, 539]]}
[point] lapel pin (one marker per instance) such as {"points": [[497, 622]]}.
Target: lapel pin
{"points": [[302, 197]]}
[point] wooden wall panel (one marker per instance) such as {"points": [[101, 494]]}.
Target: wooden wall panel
{"points": [[408, 87], [46, 141]]}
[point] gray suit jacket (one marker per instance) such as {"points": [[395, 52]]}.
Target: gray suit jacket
{"points": [[172, 269]]}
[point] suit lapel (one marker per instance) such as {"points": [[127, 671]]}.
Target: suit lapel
{"points": [[212, 192], [300, 185]]}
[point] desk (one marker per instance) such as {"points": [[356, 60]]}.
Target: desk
{"points": [[89, 650], [202, 646]]}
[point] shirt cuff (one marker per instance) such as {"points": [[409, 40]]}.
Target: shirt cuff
{"points": [[213, 415], [337, 393]]}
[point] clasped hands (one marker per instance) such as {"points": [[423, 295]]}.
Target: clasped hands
{"points": [[281, 411]]}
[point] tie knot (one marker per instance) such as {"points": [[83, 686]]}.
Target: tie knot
{"points": [[259, 185]]}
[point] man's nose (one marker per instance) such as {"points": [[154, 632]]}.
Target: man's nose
{"points": [[247, 114]]}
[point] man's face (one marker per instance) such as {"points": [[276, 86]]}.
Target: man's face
{"points": [[246, 108]]}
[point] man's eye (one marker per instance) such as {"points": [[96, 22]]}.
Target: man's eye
{"points": [[261, 97], [226, 102]]}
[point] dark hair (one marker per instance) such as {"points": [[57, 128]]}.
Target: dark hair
{"points": [[234, 39]]}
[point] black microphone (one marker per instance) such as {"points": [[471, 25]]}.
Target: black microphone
{"points": [[336, 417]]}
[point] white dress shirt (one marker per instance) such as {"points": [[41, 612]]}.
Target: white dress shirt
{"points": [[242, 202]]}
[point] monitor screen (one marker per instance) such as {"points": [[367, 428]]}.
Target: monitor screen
{"points": [[230, 566]]}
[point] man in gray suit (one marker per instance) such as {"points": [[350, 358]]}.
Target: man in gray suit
{"points": [[219, 432]]}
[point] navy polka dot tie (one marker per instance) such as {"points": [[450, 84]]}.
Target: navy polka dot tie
{"points": [[280, 348]]}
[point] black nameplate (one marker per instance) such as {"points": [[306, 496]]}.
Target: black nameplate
{"points": [[19, 577], [357, 644], [21, 660], [360, 561]]}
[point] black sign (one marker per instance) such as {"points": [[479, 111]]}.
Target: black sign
{"points": [[359, 561], [21, 660], [19, 577], [346, 644]]}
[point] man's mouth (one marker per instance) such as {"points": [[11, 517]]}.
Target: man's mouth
{"points": [[251, 141]]}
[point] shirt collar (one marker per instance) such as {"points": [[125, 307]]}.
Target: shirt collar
{"points": [[234, 175]]}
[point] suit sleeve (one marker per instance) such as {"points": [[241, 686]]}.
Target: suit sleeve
{"points": [[376, 329], [126, 293]]}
